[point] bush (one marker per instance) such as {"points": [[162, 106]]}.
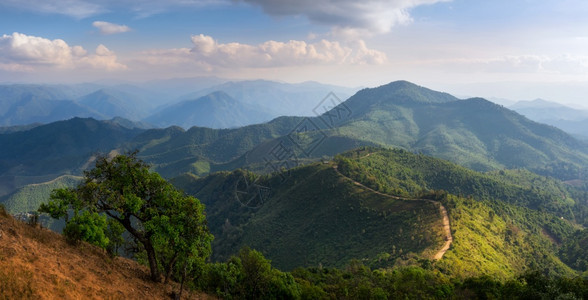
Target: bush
{"points": [[89, 227], [249, 275]]}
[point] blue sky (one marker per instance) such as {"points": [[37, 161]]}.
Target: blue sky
{"points": [[517, 49]]}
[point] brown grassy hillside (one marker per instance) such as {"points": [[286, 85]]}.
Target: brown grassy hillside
{"points": [[36, 263]]}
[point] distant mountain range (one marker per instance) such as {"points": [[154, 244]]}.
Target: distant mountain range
{"points": [[474, 133], [244, 102], [278, 99], [215, 110], [571, 120]]}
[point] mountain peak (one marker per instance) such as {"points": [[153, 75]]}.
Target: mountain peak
{"points": [[400, 84], [395, 93], [216, 109], [216, 95], [537, 104], [405, 92]]}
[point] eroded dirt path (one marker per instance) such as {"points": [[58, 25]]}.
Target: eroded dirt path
{"points": [[446, 226], [448, 236]]}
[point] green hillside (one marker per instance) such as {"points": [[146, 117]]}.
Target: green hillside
{"points": [[400, 172], [59, 147], [315, 217], [320, 216], [474, 133], [501, 221], [29, 197]]}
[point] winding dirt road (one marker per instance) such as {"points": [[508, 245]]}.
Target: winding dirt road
{"points": [[446, 226]]}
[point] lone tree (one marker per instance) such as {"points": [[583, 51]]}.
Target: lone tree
{"points": [[169, 226]]}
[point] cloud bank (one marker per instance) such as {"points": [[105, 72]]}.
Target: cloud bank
{"points": [[209, 53], [20, 52], [377, 16], [110, 28]]}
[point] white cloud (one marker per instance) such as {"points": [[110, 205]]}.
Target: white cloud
{"points": [[27, 53], [209, 54], [377, 16], [110, 28]]}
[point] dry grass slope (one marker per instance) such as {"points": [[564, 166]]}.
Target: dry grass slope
{"points": [[36, 263]]}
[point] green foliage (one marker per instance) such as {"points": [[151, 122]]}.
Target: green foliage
{"points": [[249, 276], [114, 233], [573, 251], [513, 224], [233, 280], [402, 173], [357, 281], [221, 278], [315, 216], [60, 202], [500, 240], [169, 226], [504, 222], [89, 227]]}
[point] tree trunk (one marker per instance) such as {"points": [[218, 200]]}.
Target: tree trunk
{"points": [[170, 268], [183, 278], [143, 239], [152, 261]]}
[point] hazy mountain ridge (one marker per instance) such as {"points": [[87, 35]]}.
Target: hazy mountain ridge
{"points": [[215, 110], [277, 98], [475, 133], [569, 119], [159, 101], [111, 103]]}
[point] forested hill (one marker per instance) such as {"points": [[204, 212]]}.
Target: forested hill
{"points": [[474, 133], [503, 223], [46, 152]]}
